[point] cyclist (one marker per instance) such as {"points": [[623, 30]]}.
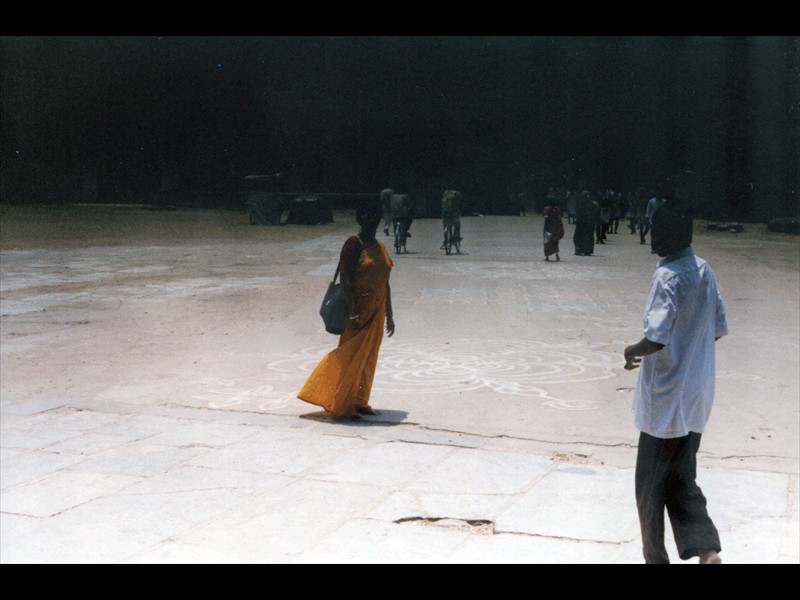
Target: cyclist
{"points": [[451, 214], [401, 212]]}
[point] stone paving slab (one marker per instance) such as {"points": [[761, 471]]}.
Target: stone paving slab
{"points": [[61, 491], [23, 466], [445, 504], [596, 498], [466, 471]]}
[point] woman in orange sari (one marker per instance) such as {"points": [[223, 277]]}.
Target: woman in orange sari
{"points": [[341, 383]]}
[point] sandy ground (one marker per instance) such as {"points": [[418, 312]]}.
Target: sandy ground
{"points": [[125, 306]]}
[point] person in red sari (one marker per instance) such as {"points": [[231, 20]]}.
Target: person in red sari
{"points": [[553, 230], [342, 382]]}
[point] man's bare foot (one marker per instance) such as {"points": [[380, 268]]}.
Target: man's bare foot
{"points": [[366, 410], [710, 557]]}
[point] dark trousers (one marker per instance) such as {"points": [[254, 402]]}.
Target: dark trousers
{"points": [[583, 238], [644, 229], [665, 478], [405, 220]]}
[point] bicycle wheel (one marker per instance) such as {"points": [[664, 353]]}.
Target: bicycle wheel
{"points": [[400, 238], [448, 239]]}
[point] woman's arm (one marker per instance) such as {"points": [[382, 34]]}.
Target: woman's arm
{"points": [[348, 263], [347, 288], [389, 312]]}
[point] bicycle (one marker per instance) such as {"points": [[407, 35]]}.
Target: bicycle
{"points": [[400, 236], [452, 238]]}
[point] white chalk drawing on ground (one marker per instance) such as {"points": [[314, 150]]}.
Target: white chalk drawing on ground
{"points": [[538, 298], [177, 289], [42, 302], [516, 272], [24, 269], [515, 367], [738, 376], [463, 295], [15, 281], [202, 285], [227, 394]]}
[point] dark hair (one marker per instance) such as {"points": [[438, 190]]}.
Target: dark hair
{"points": [[672, 222], [368, 210]]}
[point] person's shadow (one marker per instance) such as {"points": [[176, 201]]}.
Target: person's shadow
{"points": [[386, 418]]}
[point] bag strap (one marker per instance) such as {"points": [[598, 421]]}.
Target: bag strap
{"points": [[338, 263]]}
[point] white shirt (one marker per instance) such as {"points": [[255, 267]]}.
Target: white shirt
{"points": [[685, 312]]}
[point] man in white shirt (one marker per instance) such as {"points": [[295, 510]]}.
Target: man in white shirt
{"points": [[684, 316]]}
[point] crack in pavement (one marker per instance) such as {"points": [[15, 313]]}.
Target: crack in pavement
{"points": [[367, 422], [480, 526], [487, 527]]}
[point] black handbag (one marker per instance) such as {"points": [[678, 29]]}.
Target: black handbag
{"points": [[334, 307]]}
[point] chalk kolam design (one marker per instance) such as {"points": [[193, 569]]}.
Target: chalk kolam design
{"points": [[510, 367]]}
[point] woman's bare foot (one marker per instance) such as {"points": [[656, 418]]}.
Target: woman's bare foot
{"points": [[366, 410], [710, 557], [353, 416]]}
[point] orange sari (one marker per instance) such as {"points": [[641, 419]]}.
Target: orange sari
{"points": [[342, 381]]}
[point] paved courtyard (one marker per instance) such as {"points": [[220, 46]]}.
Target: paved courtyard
{"points": [[150, 360]]}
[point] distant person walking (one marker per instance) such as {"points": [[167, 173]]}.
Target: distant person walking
{"points": [[642, 220], [553, 230], [585, 215], [633, 208], [571, 207], [619, 208], [386, 205], [604, 223], [342, 382], [684, 316]]}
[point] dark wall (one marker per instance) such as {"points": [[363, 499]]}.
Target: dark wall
{"points": [[110, 119]]}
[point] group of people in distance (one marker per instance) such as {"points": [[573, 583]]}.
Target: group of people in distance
{"points": [[595, 216]]}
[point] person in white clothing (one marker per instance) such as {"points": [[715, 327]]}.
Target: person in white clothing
{"points": [[684, 316]]}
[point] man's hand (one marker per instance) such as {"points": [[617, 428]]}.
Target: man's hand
{"points": [[631, 362], [643, 348]]}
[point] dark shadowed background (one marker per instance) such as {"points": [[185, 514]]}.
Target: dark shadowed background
{"points": [[135, 119]]}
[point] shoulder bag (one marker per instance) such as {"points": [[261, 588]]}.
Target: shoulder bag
{"points": [[334, 307]]}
